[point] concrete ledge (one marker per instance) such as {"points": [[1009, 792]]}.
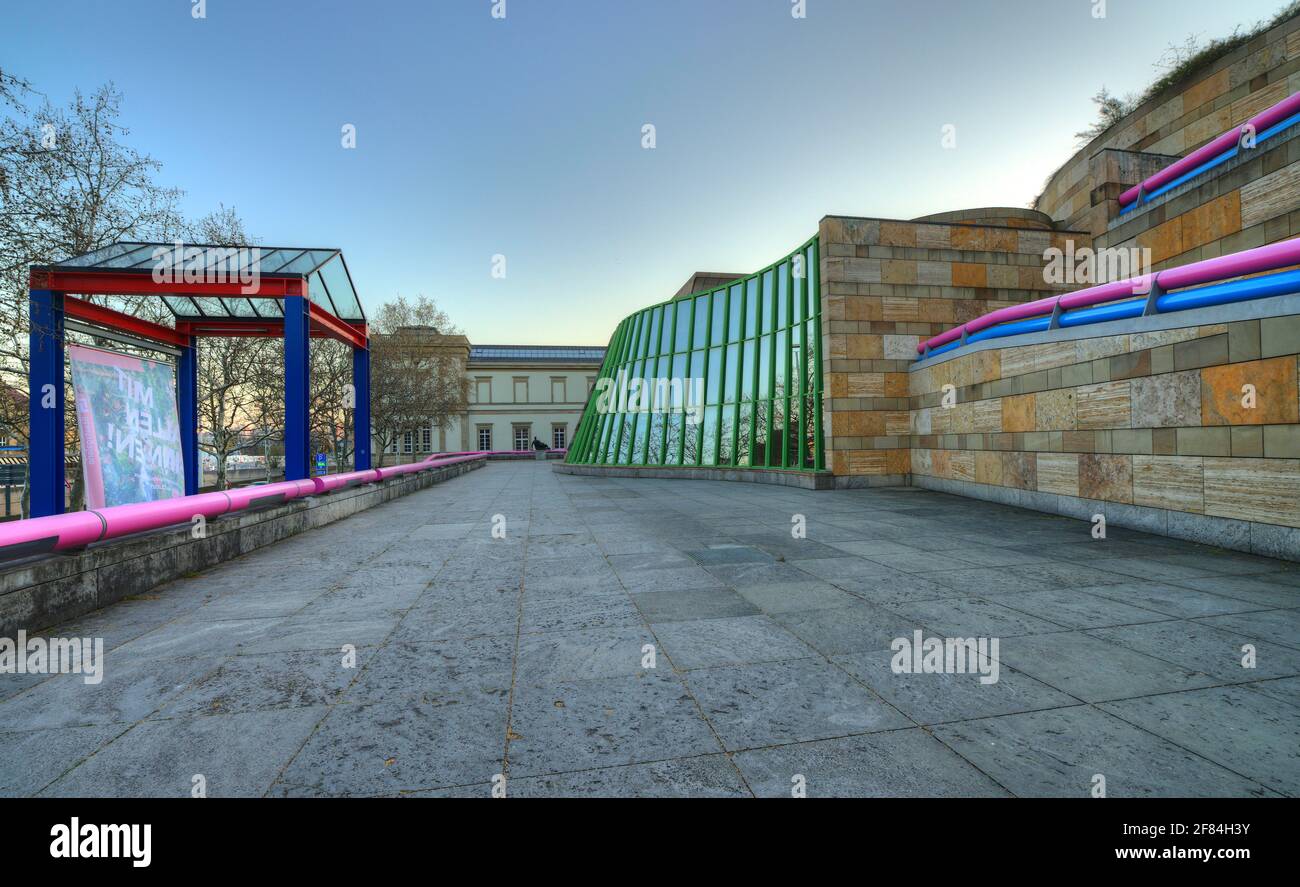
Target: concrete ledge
{"points": [[807, 480], [1267, 540], [39, 592]]}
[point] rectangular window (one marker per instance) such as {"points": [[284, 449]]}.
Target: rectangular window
{"points": [[523, 437], [426, 439], [558, 392], [407, 441], [485, 437], [558, 436], [483, 392], [521, 389]]}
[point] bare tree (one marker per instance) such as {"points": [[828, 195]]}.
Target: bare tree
{"points": [[417, 371], [68, 185], [241, 379]]}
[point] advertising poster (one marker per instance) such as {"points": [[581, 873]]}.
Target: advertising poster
{"points": [[130, 430]]}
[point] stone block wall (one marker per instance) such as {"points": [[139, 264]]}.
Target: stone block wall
{"points": [[1140, 420], [1176, 122], [1250, 201], [887, 284]]}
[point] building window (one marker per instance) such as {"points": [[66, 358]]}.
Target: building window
{"points": [[523, 437], [485, 438], [521, 389], [558, 392], [483, 390], [426, 439], [407, 442], [558, 435]]}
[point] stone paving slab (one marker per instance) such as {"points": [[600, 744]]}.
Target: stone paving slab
{"points": [[641, 637]]}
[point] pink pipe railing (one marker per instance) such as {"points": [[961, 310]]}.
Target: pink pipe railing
{"points": [[78, 529], [1260, 122], [1251, 261]]}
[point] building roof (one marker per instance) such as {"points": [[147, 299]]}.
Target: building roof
{"points": [[535, 354]]}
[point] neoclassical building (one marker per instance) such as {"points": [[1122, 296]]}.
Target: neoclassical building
{"points": [[516, 393]]}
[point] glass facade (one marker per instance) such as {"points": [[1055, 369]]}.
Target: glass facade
{"points": [[730, 377]]}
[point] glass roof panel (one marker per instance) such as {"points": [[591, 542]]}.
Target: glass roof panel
{"points": [[103, 257], [329, 285], [335, 274]]}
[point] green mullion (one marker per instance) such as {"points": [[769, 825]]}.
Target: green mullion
{"points": [[616, 358], [654, 349], [819, 456], [789, 297], [629, 419], [771, 374], [740, 363], [758, 352], [708, 340], [722, 373], [690, 347], [801, 282], [600, 449]]}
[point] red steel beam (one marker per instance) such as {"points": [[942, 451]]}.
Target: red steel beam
{"points": [[125, 323], [142, 284], [335, 327], [323, 325]]}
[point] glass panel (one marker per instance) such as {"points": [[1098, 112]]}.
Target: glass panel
{"points": [[709, 456], [762, 416], [679, 381], [682, 341], [733, 374], [812, 282], [714, 388], [778, 432], [751, 307], [767, 300], [782, 364], [701, 320], [728, 421], [341, 291], [717, 332], [654, 456], [765, 367], [743, 449], [747, 373], [733, 327], [782, 295]]}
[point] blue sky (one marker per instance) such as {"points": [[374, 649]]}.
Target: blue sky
{"points": [[522, 137]]}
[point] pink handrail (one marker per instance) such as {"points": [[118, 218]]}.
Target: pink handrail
{"points": [[77, 529], [1251, 261], [1261, 121]]}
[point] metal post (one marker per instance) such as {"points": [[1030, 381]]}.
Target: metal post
{"points": [[46, 436], [297, 390], [187, 399], [361, 411]]}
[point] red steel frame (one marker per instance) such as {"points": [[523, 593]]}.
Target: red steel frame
{"points": [[50, 304]]}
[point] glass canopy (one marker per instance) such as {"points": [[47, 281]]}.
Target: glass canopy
{"points": [[329, 284]]}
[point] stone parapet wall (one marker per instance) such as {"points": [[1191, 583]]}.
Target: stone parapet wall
{"points": [[40, 592], [1144, 414]]}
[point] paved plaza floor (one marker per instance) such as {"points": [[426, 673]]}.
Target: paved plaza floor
{"points": [[660, 637]]}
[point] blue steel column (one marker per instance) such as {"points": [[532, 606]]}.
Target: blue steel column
{"points": [[296, 388], [361, 411], [187, 399], [46, 439]]}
